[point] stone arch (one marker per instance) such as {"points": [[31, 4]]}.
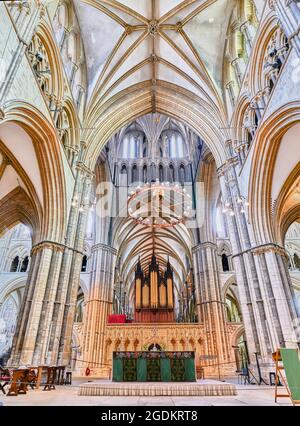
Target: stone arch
{"points": [[135, 102], [236, 335], [45, 34], [11, 286], [16, 207], [39, 214], [256, 71], [261, 178], [231, 280], [287, 209], [70, 128], [20, 250]]}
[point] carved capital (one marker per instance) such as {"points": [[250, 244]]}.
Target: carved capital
{"points": [[269, 248], [47, 245]]}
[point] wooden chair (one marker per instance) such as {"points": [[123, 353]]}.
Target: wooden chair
{"points": [[60, 376], [243, 376], [19, 382], [68, 380], [51, 379], [32, 378], [5, 378]]}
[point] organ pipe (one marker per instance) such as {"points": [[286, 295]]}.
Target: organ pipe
{"points": [[154, 291], [138, 293], [162, 295], [146, 294], [170, 293]]}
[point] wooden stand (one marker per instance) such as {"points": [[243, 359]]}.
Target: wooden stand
{"points": [[19, 382]]}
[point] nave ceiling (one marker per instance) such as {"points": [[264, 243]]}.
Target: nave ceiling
{"points": [[136, 41]]}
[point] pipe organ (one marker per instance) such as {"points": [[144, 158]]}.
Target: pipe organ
{"points": [[154, 294]]}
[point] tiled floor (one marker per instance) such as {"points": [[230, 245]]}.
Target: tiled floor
{"points": [[68, 396]]}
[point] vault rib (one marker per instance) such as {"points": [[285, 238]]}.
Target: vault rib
{"points": [[125, 9], [175, 10], [125, 76], [121, 61], [199, 72], [196, 12], [107, 12], [200, 62]]}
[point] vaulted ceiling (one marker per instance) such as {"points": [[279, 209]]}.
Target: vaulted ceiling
{"points": [[134, 41]]}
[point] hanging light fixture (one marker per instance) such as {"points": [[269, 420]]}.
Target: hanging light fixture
{"points": [[160, 205], [240, 200]]}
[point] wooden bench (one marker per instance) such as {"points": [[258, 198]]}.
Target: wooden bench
{"points": [[19, 382]]}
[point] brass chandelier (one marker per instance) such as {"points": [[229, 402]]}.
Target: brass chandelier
{"points": [[159, 205]]}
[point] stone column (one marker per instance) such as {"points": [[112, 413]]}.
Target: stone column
{"points": [[65, 350], [98, 307], [266, 297], [69, 276], [210, 306], [252, 304], [33, 305], [48, 304]]}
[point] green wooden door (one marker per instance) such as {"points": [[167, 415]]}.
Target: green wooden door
{"points": [[141, 370], [117, 370], [165, 370], [189, 374]]}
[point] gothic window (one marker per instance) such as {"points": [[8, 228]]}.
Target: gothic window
{"points": [[249, 136], [84, 264], [131, 146], [256, 119], [24, 265], [8, 319], [60, 23], [232, 308], [161, 173], [15, 264], [145, 174], [275, 56], [182, 174], [40, 63], [172, 174], [79, 306], [63, 126], [176, 145], [134, 174], [225, 263], [296, 261], [220, 223], [123, 176]]}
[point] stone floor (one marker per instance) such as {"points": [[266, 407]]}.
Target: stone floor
{"points": [[68, 396]]}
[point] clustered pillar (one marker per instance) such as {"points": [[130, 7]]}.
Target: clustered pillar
{"points": [[98, 307], [265, 289], [45, 322], [210, 306]]}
